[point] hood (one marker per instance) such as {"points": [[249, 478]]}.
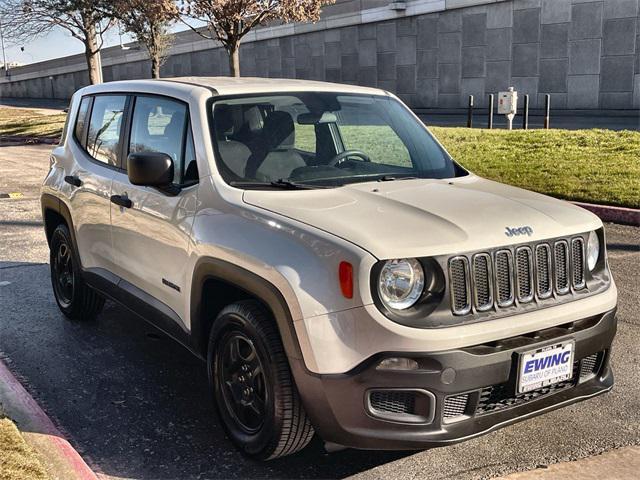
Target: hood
{"points": [[424, 217]]}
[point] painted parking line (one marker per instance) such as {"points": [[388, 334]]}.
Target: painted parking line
{"points": [[4, 284], [11, 195]]}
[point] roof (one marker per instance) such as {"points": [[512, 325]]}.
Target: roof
{"points": [[242, 85], [238, 85]]}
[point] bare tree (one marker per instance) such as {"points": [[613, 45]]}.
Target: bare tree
{"points": [[228, 21], [85, 20], [148, 21]]}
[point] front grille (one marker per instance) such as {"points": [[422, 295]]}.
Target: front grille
{"points": [[487, 280], [455, 406], [390, 401]]}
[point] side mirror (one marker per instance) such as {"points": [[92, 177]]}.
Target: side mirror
{"points": [[150, 169]]}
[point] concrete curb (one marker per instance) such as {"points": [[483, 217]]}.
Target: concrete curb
{"points": [[625, 216], [62, 461]]}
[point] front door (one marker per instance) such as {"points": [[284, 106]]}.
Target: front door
{"points": [[151, 234]]}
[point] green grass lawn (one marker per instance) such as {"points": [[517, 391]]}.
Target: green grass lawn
{"points": [[595, 166], [30, 123]]}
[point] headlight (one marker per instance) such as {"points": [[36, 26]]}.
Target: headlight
{"points": [[593, 250], [400, 283]]}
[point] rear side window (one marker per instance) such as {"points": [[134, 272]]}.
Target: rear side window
{"points": [[81, 120], [161, 125], [104, 128]]}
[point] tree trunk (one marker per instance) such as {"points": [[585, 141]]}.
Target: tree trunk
{"points": [[91, 54], [155, 66], [234, 59]]}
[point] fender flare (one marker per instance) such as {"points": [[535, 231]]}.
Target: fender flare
{"points": [[209, 268], [55, 204]]}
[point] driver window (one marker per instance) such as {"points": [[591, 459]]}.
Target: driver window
{"points": [[377, 140], [159, 125]]}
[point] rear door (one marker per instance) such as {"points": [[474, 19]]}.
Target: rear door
{"points": [[95, 148], [151, 238]]}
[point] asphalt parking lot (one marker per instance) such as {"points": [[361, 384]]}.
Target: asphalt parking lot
{"points": [[134, 403]]}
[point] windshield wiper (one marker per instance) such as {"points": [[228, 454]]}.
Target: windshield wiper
{"points": [[281, 183], [391, 178]]}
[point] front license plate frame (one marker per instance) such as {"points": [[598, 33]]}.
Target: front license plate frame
{"points": [[545, 366]]}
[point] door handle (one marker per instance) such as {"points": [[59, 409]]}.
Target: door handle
{"points": [[73, 180], [121, 201]]}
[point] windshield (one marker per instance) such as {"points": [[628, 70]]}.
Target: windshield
{"points": [[322, 139]]}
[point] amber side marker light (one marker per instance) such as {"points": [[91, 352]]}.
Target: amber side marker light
{"points": [[345, 273]]}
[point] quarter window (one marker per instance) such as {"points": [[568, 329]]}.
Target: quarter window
{"points": [[104, 128], [81, 120]]}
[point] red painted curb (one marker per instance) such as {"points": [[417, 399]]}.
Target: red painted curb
{"points": [[625, 216], [41, 423]]}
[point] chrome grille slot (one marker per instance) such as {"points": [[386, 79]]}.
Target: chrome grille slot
{"points": [[544, 284], [577, 263], [524, 274], [504, 278], [460, 285], [561, 264], [482, 281]]}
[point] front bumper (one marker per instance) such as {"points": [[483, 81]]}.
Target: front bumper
{"points": [[469, 391]]}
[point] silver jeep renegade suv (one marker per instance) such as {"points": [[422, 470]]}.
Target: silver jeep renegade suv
{"points": [[338, 272]]}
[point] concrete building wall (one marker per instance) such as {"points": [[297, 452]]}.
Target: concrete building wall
{"points": [[433, 54]]}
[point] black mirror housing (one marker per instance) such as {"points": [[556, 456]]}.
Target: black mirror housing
{"points": [[150, 169]]}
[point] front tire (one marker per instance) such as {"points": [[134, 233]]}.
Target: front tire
{"points": [[249, 374], [76, 300]]}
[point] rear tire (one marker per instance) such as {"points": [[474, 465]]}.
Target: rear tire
{"points": [[77, 300], [251, 382]]}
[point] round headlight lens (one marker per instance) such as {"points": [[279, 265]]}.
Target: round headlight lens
{"points": [[593, 250], [400, 283]]}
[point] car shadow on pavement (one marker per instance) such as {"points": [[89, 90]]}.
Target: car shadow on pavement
{"points": [[133, 402]]}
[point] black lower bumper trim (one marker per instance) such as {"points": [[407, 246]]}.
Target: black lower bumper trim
{"points": [[340, 411]]}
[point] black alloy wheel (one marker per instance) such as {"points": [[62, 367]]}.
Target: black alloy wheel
{"points": [[62, 274], [251, 383], [76, 299], [241, 372]]}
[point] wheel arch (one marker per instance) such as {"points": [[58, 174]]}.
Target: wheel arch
{"points": [[55, 212], [231, 283]]}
